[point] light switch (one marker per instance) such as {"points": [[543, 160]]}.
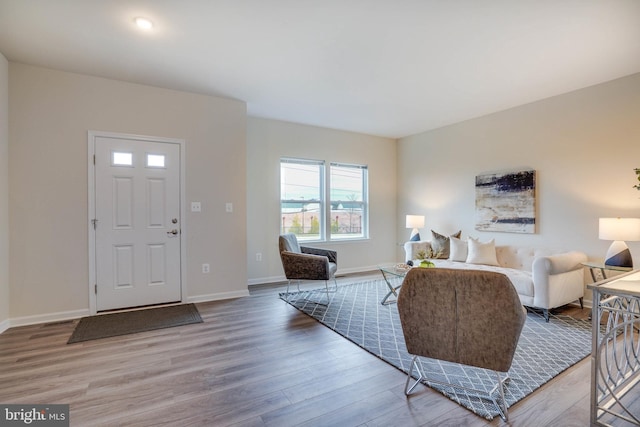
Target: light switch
{"points": [[196, 207], [229, 207]]}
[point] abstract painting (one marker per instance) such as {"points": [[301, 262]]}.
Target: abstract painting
{"points": [[506, 201]]}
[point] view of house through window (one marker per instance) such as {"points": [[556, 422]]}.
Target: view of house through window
{"points": [[315, 206], [347, 195]]}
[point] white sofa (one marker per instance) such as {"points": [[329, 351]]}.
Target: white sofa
{"points": [[543, 278]]}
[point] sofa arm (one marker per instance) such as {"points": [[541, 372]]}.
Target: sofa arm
{"points": [[556, 264], [557, 279], [412, 248]]}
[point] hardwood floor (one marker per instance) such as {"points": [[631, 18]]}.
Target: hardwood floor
{"points": [[255, 361]]}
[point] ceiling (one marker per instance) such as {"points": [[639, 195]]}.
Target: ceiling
{"points": [[383, 67]]}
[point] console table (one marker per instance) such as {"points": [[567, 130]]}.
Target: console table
{"points": [[615, 355]]}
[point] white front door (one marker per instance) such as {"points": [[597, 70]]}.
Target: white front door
{"points": [[137, 222]]}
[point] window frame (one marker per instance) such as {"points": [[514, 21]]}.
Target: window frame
{"points": [[364, 203], [325, 202]]}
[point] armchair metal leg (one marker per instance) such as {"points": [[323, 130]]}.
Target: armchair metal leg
{"points": [[414, 362], [335, 285], [289, 283], [504, 412], [326, 284], [502, 405], [335, 289]]}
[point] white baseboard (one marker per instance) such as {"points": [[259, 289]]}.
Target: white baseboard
{"points": [[218, 296], [4, 325], [265, 280], [48, 317]]}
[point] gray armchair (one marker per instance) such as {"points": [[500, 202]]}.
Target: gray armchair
{"points": [[305, 263], [468, 317]]}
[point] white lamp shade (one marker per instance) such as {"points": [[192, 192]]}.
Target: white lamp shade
{"points": [[415, 221], [619, 229]]}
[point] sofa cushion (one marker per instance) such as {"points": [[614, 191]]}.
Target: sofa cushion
{"points": [[440, 243], [458, 250], [521, 257], [482, 253]]}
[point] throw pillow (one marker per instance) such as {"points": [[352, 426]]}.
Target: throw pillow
{"points": [[458, 250], [482, 253], [440, 244]]}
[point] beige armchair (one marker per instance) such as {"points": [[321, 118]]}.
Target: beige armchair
{"points": [[306, 263], [469, 317]]}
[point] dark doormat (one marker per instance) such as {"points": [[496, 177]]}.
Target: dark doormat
{"points": [[131, 322]]}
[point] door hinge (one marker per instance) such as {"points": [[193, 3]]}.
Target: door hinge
{"points": [[95, 223], [94, 159], [95, 289]]}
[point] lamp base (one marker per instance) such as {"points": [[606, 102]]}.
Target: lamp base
{"points": [[415, 235], [618, 255]]}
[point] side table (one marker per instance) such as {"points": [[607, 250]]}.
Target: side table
{"points": [[598, 270], [392, 274]]}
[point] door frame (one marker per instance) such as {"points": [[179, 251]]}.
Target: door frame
{"points": [[91, 137]]}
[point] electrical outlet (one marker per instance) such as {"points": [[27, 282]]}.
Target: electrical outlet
{"points": [[228, 207], [259, 256], [206, 268], [196, 207]]}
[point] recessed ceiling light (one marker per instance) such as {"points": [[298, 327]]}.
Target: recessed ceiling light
{"points": [[143, 23]]}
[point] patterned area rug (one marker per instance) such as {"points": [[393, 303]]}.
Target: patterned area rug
{"points": [[544, 349]]}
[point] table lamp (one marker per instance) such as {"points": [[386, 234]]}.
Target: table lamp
{"points": [[619, 230], [414, 222]]}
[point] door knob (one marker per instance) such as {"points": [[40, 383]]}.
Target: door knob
{"points": [[172, 232]]}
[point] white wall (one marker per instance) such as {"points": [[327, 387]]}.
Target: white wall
{"points": [[267, 142], [51, 112], [4, 193], [584, 146]]}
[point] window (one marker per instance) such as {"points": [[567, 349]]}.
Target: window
{"points": [[348, 198], [155, 160], [121, 158], [312, 212], [301, 198]]}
